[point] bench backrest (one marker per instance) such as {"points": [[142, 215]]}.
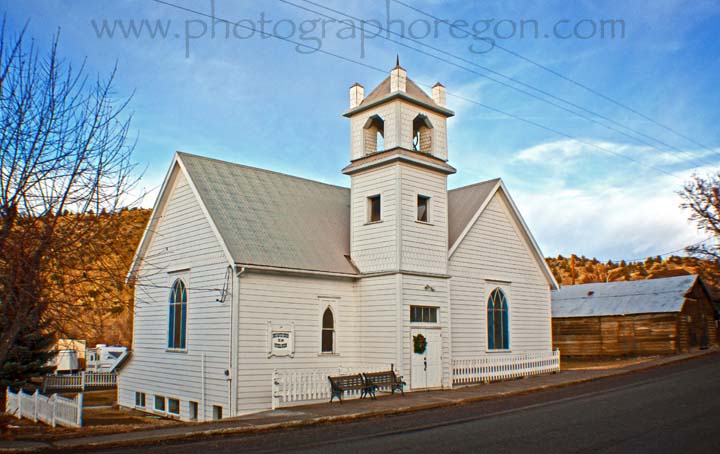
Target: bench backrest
{"points": [[347, 381], [382, 378]]}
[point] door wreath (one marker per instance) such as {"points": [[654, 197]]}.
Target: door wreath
{"points": [[419, 344]]}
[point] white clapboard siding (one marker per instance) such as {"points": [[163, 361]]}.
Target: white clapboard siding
{"points": [[496, 250], [380, 334], [424, 245], [286, 300], [183, 242], [374, 246]]}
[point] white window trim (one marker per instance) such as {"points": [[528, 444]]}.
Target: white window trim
{"points": [[368, 208], [154, 407], [167, 406], [505, 286], [425, 324], [184, 275], [325, 302], [197, 410], [430, 203], [137, 393]]}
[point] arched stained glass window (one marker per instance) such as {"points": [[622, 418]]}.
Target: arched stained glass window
{"points": [[177, 321], [328, 332], [497, 321]]}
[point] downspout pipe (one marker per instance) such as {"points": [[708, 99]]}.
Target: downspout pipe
{"points": [[234, 334]]}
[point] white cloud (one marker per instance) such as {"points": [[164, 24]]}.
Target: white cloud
{"points": [[618, 212], [562, 150]]}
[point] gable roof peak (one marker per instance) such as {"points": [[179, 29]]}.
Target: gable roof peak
{"points": [[398, 85]]}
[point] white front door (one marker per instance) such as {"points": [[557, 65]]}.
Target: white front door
{"points": [[426, 367]]}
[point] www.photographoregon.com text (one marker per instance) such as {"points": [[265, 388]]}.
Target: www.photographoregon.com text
{"points": [[309, 34]]}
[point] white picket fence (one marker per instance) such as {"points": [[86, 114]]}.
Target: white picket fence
{"points": [[54, 410], [81, 381], [495, 367], [297, 386]]}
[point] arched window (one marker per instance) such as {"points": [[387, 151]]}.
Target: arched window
{"points": [[177, 321], [422, 134], [497, 321], [374, 131], [328, 332]]}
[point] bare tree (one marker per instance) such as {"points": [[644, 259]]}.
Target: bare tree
{"points": [[701, 196], [65, 167]]}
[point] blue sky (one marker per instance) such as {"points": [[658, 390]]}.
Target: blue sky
{"points": [[263, 102]]}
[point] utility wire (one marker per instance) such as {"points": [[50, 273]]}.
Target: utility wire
{"points": [[504, 76], [670, 252], [572, 81], [381, 70], [168, 287]]}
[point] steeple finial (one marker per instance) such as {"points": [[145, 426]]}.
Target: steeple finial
{"points": [[397, 60]]}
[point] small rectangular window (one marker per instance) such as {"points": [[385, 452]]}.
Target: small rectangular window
{"points": [[140, 399], [217, 412], [423, 314], [193, 407], [160, 403], [174, 406], [374, 208], [423, 206]]}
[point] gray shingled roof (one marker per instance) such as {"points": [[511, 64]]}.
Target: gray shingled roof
{"points": [[620, 298], [463, 203], [411, 89], [272, 219]]}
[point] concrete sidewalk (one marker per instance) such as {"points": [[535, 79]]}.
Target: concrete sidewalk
{"points": [[353, 409]]}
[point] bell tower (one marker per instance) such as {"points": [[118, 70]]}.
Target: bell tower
{"points": [[398, 167]]}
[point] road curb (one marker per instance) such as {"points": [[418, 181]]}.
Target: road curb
{"points": [[66, 444]]}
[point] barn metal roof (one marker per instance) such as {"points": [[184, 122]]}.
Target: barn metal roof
{"points": [[621, 298], [273, 219]]}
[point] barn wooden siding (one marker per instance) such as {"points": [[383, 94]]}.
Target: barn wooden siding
{"points": [[697, 320], [639, 334]]}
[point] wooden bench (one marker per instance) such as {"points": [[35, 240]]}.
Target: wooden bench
{"points": [[386, 379], [342, 383]]}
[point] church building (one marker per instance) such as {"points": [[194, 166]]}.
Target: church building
{"points": [[244, 274]]}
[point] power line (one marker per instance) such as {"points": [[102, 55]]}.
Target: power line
{"points": [[568, 136], [168, 287], [670, 252], [375, 68], [639, 259], [514, 80], [572, 81]]}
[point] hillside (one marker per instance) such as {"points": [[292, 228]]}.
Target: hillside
{"points": [[100, 302], [582, 270]]}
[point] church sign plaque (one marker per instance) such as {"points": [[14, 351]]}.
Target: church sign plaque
{"points": [[281, 340]]}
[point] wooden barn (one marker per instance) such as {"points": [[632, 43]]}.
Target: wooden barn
{"points": [[633, 318]]}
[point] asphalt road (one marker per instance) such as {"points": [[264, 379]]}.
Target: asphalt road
{"points": [[674, 408]]}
